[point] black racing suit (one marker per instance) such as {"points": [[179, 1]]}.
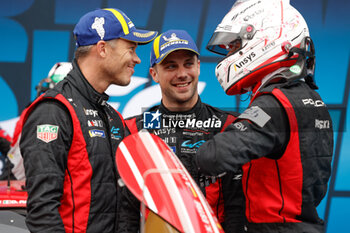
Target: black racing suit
{"points": [[284, 141], [69, 138], [225, 195]]}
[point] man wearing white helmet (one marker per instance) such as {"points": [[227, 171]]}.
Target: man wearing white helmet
{"points": [[57, 73], [284, 140]]}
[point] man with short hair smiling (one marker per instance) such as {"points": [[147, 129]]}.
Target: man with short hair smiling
{"points": [[70, 134], [176, 67]]}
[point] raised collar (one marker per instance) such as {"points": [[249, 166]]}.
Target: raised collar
{"points": [[84, 87], [196, 109]]}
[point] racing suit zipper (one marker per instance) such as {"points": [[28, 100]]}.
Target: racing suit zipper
{"points": [[104, 118]]}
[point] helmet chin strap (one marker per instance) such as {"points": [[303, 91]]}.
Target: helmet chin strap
{"points": [[304, 67]]}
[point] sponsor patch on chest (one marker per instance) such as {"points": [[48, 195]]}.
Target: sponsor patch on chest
{"points": [[97, 133]]}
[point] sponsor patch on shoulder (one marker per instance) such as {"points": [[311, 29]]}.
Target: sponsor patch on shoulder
{"points": [[47, 133], [255, 114]]}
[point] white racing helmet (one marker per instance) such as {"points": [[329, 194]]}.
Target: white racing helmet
{"points": [[57, 73], [259, 37]]}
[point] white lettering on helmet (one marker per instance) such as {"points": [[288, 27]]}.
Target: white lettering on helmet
{"points": [[245, 60]]}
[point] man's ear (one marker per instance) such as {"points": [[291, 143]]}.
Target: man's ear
{"points": [[101, 48], [154, 74], [199, 67]]}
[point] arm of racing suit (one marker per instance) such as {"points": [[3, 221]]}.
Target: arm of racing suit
{"points": [[128, 212], [246, 140], [232, 196], [234, 202], [45, 165]]}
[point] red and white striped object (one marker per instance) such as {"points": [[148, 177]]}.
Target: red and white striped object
{"points": [[154, 174]]}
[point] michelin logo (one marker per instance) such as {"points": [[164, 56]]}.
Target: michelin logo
{"points": [[98, 26], [173, 39]]}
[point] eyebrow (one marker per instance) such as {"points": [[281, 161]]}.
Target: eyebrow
{"points": [[132, 43], [171, 61]]}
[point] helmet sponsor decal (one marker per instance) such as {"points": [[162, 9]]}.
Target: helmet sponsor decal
{"points": [[245, 60], [252, 15], [47, 133], [269, 46], [244, 10], [295, 69]]}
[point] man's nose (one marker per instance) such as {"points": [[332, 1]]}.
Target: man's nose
{"points": [[181, 72], [136, 59]]}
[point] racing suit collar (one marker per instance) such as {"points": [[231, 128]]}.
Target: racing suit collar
{"points": [[85, 88], [196, 109]]}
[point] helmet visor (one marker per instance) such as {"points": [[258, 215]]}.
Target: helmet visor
{"points": [[224, 43]]}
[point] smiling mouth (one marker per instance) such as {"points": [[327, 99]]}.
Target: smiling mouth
{"points": [[182, 84], [132, 68]]}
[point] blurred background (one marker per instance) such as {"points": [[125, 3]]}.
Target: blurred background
{"points": [[35, 34]]}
